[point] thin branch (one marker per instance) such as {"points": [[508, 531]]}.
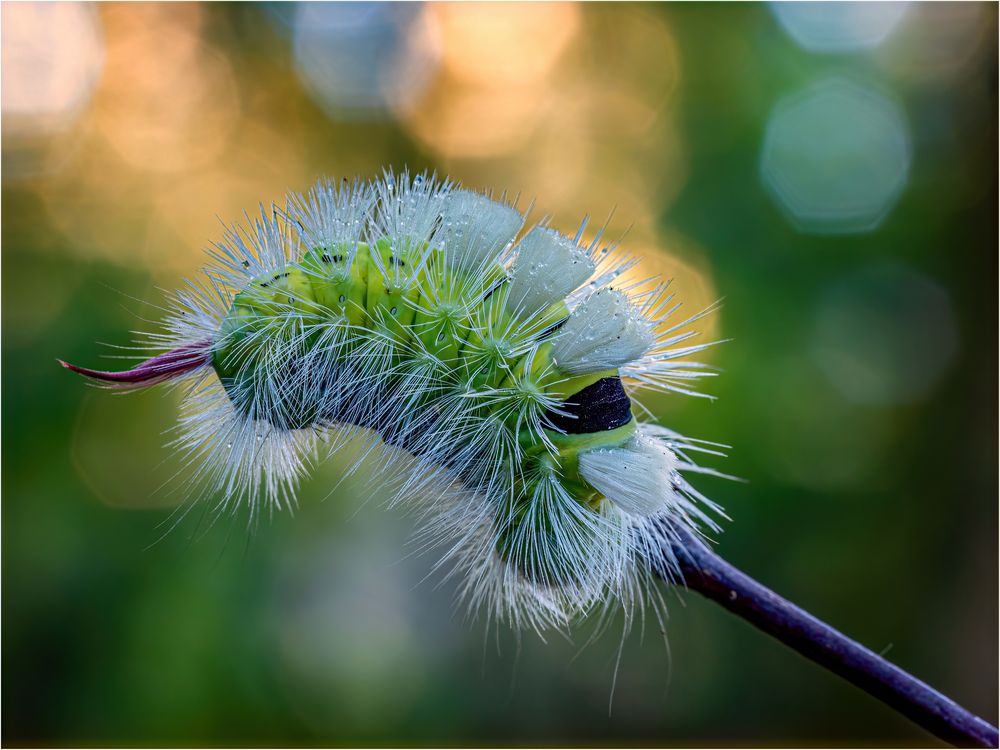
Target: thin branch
{"points": [[714, 578]]}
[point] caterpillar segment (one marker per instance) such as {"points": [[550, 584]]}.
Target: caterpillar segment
{"points": [[410, 308]]}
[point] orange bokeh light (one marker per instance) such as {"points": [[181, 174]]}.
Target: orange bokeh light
{"points": [[504, 44], [168, 101], [52, 57]]}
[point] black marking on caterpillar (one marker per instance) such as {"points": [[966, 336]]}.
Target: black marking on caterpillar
{"points": [[602, 406], [548, 332]]}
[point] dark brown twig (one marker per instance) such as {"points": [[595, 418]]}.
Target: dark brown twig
{"points": [[712, 577]]}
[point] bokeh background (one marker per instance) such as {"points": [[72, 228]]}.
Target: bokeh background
{"points": [[829, 170]]}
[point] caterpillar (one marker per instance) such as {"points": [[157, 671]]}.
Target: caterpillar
{"points": [[490, 368]]}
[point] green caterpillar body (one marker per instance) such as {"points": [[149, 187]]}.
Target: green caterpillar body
{"points": [[497, 360]]}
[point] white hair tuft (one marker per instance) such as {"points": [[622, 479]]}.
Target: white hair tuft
{"points": [[606, 330], [476, 229], [637, 476], [548, 266]]}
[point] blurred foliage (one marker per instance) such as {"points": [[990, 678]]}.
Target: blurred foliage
{"points": [[858, 386]]}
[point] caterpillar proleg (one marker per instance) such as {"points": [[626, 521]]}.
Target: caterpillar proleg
{"points": [[502, 359]]}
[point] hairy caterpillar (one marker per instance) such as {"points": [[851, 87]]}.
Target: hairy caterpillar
{"points": [[503, 361]]}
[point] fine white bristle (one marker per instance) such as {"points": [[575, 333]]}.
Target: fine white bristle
{"points": [[603, 332], [548, 266], [637, 477], [247, 252], [408, 215], [333, 214], [475, 229]]}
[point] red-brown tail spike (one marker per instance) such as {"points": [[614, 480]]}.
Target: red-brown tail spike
{"points": [[160, 368]]}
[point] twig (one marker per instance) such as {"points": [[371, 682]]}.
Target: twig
{"points": [[714, 578]]}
